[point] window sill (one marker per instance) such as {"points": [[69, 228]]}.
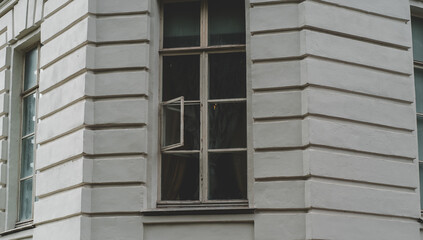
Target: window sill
{"points": [[28, 225], [171, 211]]}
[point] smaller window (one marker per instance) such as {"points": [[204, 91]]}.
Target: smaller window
{"points": [[29, 98]]}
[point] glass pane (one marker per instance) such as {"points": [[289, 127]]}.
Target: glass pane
{"points": [[171, 124], [420, 135], [27, 162], [28, 115], [31, 62], [25, 204], [226, 22], [227, 75], [227, 176], [227, 125], [181, 77], [180, 177], [421, 184], [181, 24], [417, 30], [191, 127]]}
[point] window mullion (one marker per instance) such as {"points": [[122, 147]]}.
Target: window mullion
{"points": [[204, 109]]}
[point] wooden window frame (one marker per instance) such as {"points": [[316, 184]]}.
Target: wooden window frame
{"points": [[203, 51]]}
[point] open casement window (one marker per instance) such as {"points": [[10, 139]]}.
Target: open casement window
{"points": [[173, 124], [29, 99], [203, 95]]}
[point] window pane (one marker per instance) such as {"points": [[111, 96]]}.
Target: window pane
{"points": [[31, 62], [227, 75], [226, 22], [420, 135], [421, 184], [180, 177], [27, 163], [25, 204], [418, 79], [191, 127], [227, 176], [227, 125], [181, 77], [28, 115], [417, 30], [181, 24]]}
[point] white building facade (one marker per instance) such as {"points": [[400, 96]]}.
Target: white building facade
{"points": [[210, 119]]}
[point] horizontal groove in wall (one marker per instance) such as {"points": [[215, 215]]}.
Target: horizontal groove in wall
{"points": [[339, 181], [95, 127], [328, 211], [275, 2], [279, 119], [395, 158], [332, 118], [94, 99], [361, 10], [58, 58], [282, 179], [334, 33], [360, 65], [281, 149], [123, 42], [57, 9], [91, 156], [74, 75], [359, 213], [292, 88], [106, 70], [362, 184], [387, 157], [80, 19], [293, 58], [120, 14], [357, 122], [91, 185], [281, 211], [94, 44], [87, 214], [341, 90], [335, 89], [284, 59]]}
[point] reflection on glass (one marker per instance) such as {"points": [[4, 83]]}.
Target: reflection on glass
{"points": [[227, 125], [417, 30], [226, 22], [27, 164], [181, 77], [28, 115], [227, 75], [180, 177], [181, 24], [227, 176], [31, 62], [25, 204]]}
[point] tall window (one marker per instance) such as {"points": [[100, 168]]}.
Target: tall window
{"points": [[29, 96], [204, 143]]}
